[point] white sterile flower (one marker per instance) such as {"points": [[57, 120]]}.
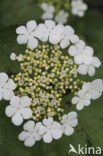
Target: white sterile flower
{"points": [[68, 36], [19, 109], [61, 17], [78, 7], [83, 56], [31, 133], [48, 11], [50, 129], [83, 99], [94, 88], [13, 56], [69, 121], [6, 87], [43, 30], [26, 35]]}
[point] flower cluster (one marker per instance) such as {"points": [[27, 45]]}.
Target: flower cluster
{"points": [[49, 69], [60, 11]]}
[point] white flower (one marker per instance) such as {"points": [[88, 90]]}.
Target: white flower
{"points": [[68, 36], [83, 99], [19, 109], [43, 30], [90, 68], [13, 56], [83, 56], [95, 88], [30, 133], [50, 129], [61, 17], [48, 11], [78, 7], [26, 35], [6, 87], [69, 121]]}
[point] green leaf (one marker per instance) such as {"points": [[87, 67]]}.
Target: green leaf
{"points": [[18, 12]]}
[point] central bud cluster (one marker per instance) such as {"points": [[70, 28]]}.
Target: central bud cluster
{"points": [[46, 74]]}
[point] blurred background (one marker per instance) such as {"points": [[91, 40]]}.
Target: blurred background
{"points": [[90, 129]]}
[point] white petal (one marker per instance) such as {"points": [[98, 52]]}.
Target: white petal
{"points": [[11, 84], [56, 125], [41, 32], [44, 6], [42, 129], [73, 123], [50, 24], [47, 15], [3, 77], [29, 126], [57, 34], [7, 94], [73, 50], [10, 111], [82, 69], [88, 51], [79, 106], [21, 30], [32, 43], [23, 135], [72, 115], [80, 45], [75, 100], [64, 43], [22, 39], [15, 101], [96, 62], [26, 113], [69, 130], [51, 9], [78, 59], [48, 122], [17, 119], [47, 138], [57, 134], [91, 71], [74, 38], [37, 136], [87, 59], [31, 25], [29, 142], [25, 101]]}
